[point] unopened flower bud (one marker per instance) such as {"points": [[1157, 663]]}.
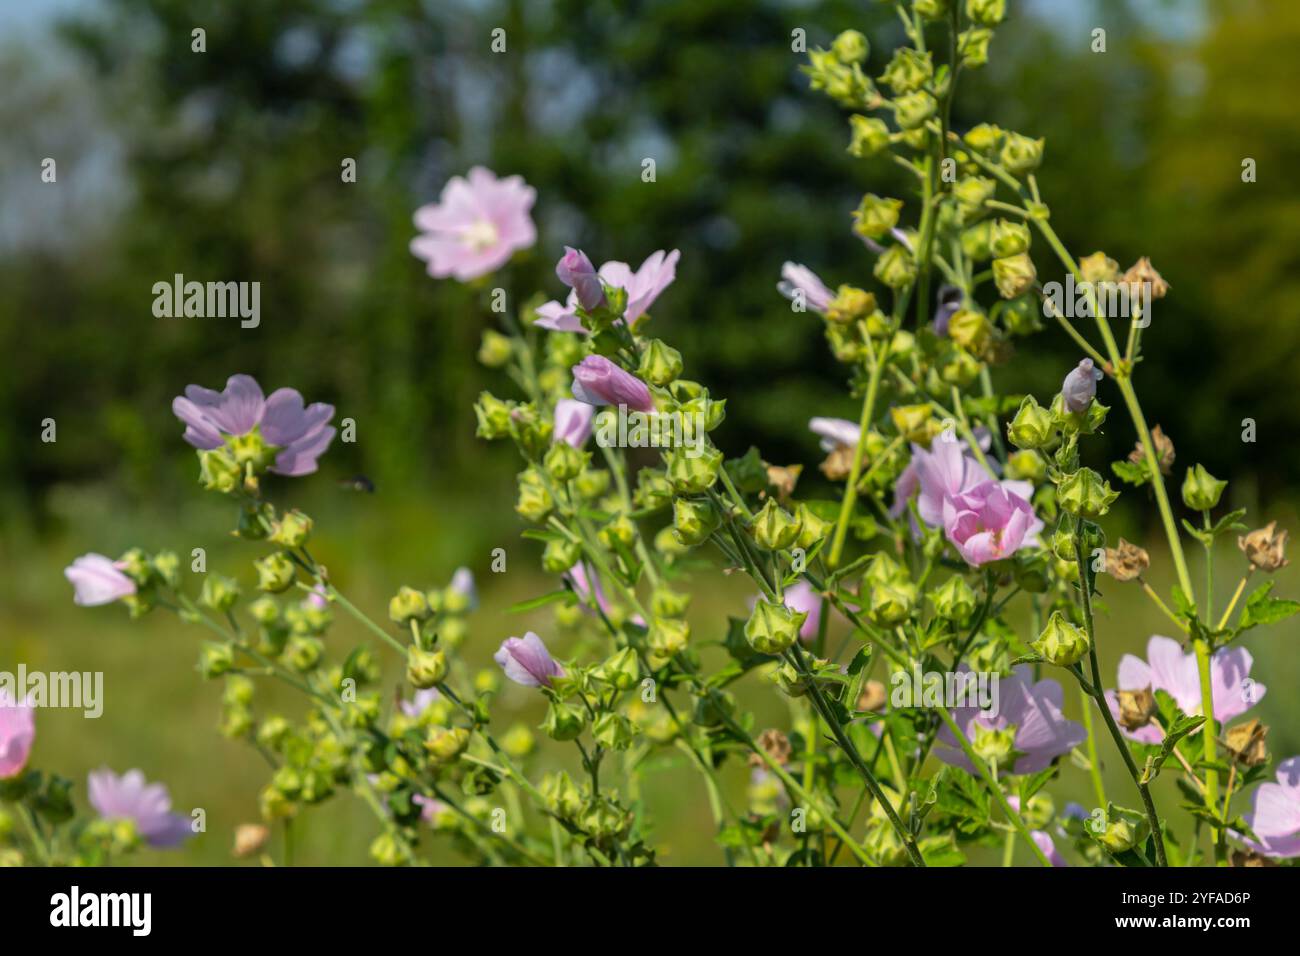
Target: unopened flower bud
{"points": [[1080, 387], [1008, 238], [975, 241], [693, 474], [652, 489], [907, 71], [622, 670], [1061, 643], [219, 593], [1020, 154], [303, 654], [1201, 490], [495, 350], [773, 628], [875, 216], [444, 744], [620, 530], [1021, 315], [850, 47], [1098, 268], [1032, 426], [613, 731], [660, 364], [292, 530], [1026, 465], [493, 416], [275, 573], [424, 669], [774, 528], [167, 566], [812, 529], [973, 46], [561, 795], [971, 330], [1086, 494], [895, 268], [665, 602], [563, 462], [1125, 829], [955, 600], [563, 721], [985, 138], [694, 520], [870, 136], [668, 636], [989, 13], [576, 271], [560, 555], [1265, 548], [971, 192], [850, 304], [408, 605], [892, 603], [534, 501], [215, 659], [911, 110], [1014, 275]]}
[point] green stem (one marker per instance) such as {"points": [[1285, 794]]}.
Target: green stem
{"points": [[851, 489], [1099, 697], [982, 769], [795, 655]]}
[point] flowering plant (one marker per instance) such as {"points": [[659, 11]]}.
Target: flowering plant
{"points": [[928, 720]]}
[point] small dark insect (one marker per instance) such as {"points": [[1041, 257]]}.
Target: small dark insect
{"points": [[358, 483]]}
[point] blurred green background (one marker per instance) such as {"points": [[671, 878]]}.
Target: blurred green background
{"points": [[225, 165]]}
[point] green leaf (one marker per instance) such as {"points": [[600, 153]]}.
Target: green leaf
{"points": [[564, 594], [1180, 728], [1034, 782], [1262, 609], [1130, 472]]}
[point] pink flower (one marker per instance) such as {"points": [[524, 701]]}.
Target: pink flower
{"points": [[130, 797], [598, 381], [98, 580], [17, 733], [988, 523], [573, 421], [300, 434], [476, 226], [835, 432], [1275, 813], [527, 661], [1167, 668], [642, 287], [984, 518], [1034, 709], [799, 280]]}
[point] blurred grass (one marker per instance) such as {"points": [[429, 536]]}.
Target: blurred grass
{"points": [[161, 716]]}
